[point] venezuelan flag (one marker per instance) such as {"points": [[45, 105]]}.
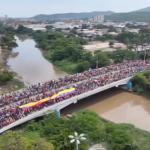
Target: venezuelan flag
{"points": [[64, 93], [58, 95], [29, 105]]}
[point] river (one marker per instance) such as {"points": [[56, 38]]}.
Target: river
{"points": [[27, 61], [114, 104]]}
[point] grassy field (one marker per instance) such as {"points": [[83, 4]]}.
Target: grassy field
{"points": [[66, 66]]}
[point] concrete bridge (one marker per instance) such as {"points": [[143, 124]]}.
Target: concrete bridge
{"points": [[65, 103]]}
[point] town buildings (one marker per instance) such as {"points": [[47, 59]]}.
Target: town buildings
{"points": [[99, 18], [63, 25]]}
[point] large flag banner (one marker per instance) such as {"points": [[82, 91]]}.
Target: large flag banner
{"points": [[29, 105], [58, 95], [64, 93]]}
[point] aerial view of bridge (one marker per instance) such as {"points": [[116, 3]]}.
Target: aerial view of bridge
{"points": [[89, 83]]}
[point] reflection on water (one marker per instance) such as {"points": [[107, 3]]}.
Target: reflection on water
{"points": [[30, 64], [118, 106], [23, 37], [14, 54]]}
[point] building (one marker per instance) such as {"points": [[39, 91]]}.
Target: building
{"points": [[6, 17], [39, 29], [90, 19], [95, 19], [63, 25], [99, 18], [16, 24], [149, 25]]}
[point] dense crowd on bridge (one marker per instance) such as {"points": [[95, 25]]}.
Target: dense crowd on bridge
{"points": [[82, 82]]}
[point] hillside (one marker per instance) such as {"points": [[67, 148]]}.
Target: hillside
{"points": [[72, 15], [132, 16], [147, 9]]}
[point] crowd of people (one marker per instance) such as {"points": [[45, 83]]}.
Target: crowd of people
{"points": [[82, 82]]}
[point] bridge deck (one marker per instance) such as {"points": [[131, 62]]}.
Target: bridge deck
{"points": [[64, 103]]}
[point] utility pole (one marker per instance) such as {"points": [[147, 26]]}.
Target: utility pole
{"points": [[144, 56], [24, 80], [97, 63]]}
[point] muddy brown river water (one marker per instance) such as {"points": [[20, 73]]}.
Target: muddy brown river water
{"points": [[117, 106], [114, 104], [29, 63]]}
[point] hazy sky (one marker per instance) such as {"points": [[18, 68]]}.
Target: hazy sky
{"points": [[29, 8]]}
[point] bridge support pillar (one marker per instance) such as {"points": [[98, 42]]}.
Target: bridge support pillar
{"points": [[129, 85], [58, 113]]}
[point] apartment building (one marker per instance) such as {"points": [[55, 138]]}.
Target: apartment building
{"points": [[99, 18]]}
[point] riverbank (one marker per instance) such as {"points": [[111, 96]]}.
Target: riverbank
{"points": [[13, 85], [67, 53]]}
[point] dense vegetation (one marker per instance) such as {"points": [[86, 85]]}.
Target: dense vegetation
{"points": [[52, 133], [66, 51], [5, 76], [141, 82], [7, 42]]}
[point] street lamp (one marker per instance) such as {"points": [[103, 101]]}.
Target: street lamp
{"points": [[76, 138]]}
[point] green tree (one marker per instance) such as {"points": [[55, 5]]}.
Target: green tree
{"points": [[49, 27], [118, 139], [101, 58], [17, 140], [84, 26], [112, 29], [111, 43], [58, 29], [85, 65], [120, 55], [11, 44], [12, 140], [40, 145], [5, 77]]}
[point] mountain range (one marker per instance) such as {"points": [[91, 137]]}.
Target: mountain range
{"points": [[73, 15], [138, 15]]}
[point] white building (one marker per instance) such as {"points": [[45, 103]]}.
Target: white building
{"points": [[90, 19], [63, 25], [36, 25], [39, 29], [99, 18]]}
